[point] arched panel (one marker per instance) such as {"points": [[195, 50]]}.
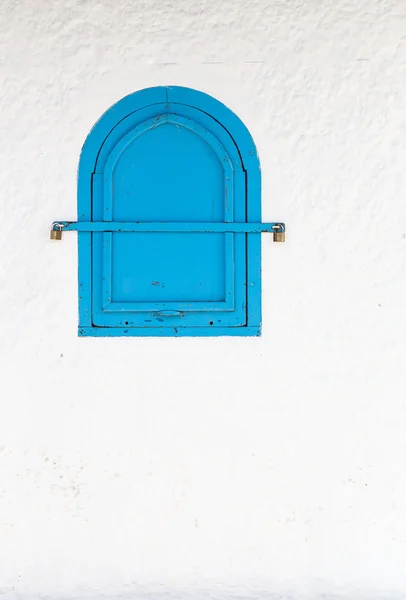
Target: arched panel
{"points": [[159, 156], [143, 166]]}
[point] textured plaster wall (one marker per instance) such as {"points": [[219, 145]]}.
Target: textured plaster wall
{"points": [[270, 468]]}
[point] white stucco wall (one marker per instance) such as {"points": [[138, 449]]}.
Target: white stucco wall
{"points": [[271, 468]]}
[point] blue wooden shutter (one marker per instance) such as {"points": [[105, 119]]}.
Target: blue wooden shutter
{"points": [[168, 161]]}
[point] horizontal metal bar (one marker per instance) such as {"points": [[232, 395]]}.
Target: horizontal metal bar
{"points": [[100, 226]]}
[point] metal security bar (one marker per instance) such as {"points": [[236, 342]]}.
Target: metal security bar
{"points": [[143, 227]]}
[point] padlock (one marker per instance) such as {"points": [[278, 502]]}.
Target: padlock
{"points": [[278, 233], [56, 234]]}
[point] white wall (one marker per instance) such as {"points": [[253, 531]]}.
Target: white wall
{"points": [[236, 468]]}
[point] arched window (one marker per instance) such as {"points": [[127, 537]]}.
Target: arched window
{"points": [[169, 219]]}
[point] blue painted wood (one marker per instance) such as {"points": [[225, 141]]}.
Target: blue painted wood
{"points": [[149, 175], [254, 290], [138, 245], [168, 331], [249, 156], [169, 155], [87, 164]]}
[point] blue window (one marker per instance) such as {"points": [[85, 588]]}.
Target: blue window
{"points": [[170, 179]]}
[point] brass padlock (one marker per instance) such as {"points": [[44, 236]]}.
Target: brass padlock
{"points": [[278, 233], [56, 234]]}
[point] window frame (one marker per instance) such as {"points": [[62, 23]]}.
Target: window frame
{"points": [[248, 154]]}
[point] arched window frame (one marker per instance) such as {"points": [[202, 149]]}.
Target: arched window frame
{"points": [[249, 158]]}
